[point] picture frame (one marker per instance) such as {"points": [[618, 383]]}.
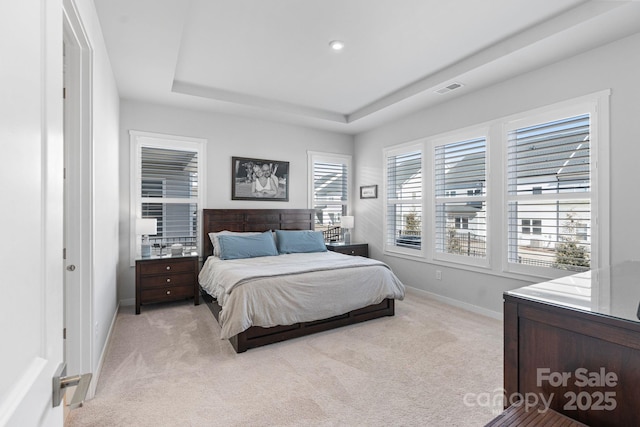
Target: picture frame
{"points": [[259, 179], [369, 192]]}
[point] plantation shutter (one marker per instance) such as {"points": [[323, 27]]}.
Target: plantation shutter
{"points": [[330, 192], [169, 193], [404, 200], [549, 194], [460, 189], [550, 158]]}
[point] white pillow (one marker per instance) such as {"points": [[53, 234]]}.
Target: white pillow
{"points": [[214, 238]]}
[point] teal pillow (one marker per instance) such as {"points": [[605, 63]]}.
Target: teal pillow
{"points": [[300, 241], [238, 247]]}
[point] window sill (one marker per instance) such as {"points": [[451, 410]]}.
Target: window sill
{"points": [[488, 270]]}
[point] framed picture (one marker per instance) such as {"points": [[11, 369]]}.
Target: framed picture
{"points": [[259, 179], [369, 192]]}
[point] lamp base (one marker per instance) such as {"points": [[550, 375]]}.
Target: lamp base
{"points": [[347, 238], [145, 251]]}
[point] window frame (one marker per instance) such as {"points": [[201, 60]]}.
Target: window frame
{"points": [[549, 115], [468, 134], [139, 139], [395, 151]]}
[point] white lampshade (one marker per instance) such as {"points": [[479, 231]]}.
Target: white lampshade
{"points": [[146, 226], [346, 222]]}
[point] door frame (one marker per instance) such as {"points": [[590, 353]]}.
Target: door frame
{"points": [[78, 285]]}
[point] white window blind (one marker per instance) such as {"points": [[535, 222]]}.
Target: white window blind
{"points": [[460, 198], [167, 182], [169, 193], [330, 193], [404, 199], [549, 194]]}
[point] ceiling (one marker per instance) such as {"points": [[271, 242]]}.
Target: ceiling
{"points": [[270, 59]]}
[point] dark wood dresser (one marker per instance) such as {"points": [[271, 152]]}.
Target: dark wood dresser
{"points": [[161, 279], [356, 249], [575, 342]]}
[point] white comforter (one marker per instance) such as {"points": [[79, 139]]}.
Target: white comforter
{"points": [[292, 288]]}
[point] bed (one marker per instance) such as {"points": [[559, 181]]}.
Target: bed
{"points": [[356, 305]]}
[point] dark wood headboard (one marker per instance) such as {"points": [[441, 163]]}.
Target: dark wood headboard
{"points": [[252, 220]]}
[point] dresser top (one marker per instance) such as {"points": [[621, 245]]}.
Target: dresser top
{"points": [[613, 291]]}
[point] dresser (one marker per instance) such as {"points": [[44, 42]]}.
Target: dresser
{"points": [[575, 342], [169, 278], [355, 249]]}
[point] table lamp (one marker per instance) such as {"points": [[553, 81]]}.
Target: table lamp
{"points": [[145, 227], [346, 222]]}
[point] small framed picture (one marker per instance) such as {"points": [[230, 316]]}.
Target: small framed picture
{"points": [[369, 192], [259, 179]]}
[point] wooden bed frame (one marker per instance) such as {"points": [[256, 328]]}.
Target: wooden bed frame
{"points": [[214, 220]]}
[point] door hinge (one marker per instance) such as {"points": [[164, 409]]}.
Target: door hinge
{"points": [[64, 93], [64, 253], [64, 333]]}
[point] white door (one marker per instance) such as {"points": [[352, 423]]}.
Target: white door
{"points": [[31, 306]]}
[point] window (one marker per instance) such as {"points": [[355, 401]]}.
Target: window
{"points": [[537, 226], [527, 223], [460, 198], [519, 195], [462, 223], [330, 190], [403, 199], [549, 178], [170, 174], [167, 178]]}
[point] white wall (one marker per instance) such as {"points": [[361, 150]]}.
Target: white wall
{"points": [[104, 147], [615, 66], [227, 136]]}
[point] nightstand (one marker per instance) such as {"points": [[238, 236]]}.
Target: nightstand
{"points": [[356, 249], [169, 278]]}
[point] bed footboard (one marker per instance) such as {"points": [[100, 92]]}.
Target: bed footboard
{"points": [[257, 336]]}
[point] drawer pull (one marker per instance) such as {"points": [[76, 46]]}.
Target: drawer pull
{"points": [[168, 280], [168, 267], [353, 252], [168, 292]]}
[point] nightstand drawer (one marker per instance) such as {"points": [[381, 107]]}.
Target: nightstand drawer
{"points": [[166, 280], [166, 266], [356, 249], [167, 293]]}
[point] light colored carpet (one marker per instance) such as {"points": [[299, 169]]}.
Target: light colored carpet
{"points": [[168, 367]]}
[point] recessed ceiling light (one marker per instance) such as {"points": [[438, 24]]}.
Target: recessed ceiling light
{"points": [[336, 44]]}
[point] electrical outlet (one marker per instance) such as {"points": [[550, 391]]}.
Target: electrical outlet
{"points": [[438, 275]]}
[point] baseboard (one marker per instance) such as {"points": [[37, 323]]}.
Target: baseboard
{"points": [[460, 304], [96, 375]]}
